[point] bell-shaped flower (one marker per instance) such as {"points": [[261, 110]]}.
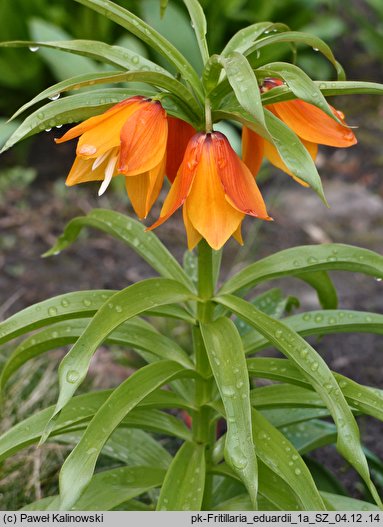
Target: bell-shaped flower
{"points": [[129, 139], [311, 125], [216, 190]]}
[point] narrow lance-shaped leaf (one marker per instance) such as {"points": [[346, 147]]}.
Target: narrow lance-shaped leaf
{"points": [[295, 261], [198, 21], [324, 287], [227, 360], [321, 322], [294, 153], [135, 334], [365, 399], [122, 306], [79, 304], [158, 80], [281, 457], [147, 34], [245, 85], [121, 57], [245, 37], [78, 468], [184, 482], [314, 368], [130, 231], [300, 84], [283, 93], [297, 37], [81, 409]]}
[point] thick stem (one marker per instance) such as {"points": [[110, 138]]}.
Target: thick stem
{"points": [[203, 428], [208, 123]]}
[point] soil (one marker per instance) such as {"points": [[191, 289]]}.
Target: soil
{"points": [[32, 216]]}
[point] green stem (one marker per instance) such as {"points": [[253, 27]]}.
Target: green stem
{"points": [[203, 429]]}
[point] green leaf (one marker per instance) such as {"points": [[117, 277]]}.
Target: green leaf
{"points": [[63, 307], [245, 85], [300, 84], [279, 417], [110, 488], [283, 459], [78, 468], [118, 56], [294, 153], [297, 38], [147, 34], [130, 446], [122, 306], [311, 435], [77, 414], [367, 400], [276, 396], [334, 502], [244, 38], [199, 25], [324, 287], [283, 93], [184, 482], [295, 261], [135, 334], [272, 303], [145, 243], [321, 323], [158, 80], [224, 348], [313, 367]]}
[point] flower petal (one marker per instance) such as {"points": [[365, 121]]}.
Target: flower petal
{"points": [[143, 189], [193, 236], [252, 150], [312, 124], [273, 156], [143, 139], [81, 172], [240, 187], [179, 134], [206, 206], [182, 184], [124, 108]]}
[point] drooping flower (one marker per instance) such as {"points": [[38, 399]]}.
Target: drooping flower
{"points": [[310, 123], [179, 134], [216, 190], [130, 139]]}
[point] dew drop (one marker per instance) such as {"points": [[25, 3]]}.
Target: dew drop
{"points": [[87, 150], [52, 311], [303, 353], [91, 451], [314, 366], [72, 376], [54, 97], [378, 279], [48, 129], [136, 59], [65, 303], [297, 471], [86, 302], [118, 309], [278, 333], [34, 48]]}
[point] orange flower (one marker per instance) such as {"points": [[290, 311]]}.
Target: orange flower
{"points": [[311, 124], [179, 134], [216, 190], [130, 139]]}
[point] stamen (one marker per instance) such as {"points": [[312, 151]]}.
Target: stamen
{"points": [[109, 170], [100, 159]]}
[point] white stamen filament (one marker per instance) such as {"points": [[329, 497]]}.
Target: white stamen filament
{"points": [[100, 159], [109, 170]]}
